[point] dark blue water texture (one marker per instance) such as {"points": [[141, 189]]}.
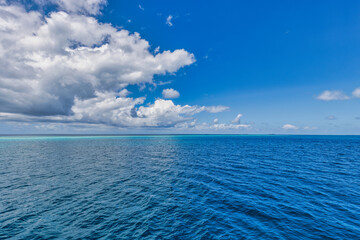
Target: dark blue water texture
{"points": [[180, 187]]}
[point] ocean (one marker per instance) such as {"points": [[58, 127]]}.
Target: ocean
{"points": [[180, 187]]}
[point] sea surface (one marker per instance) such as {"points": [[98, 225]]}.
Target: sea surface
{"points": [[180, 187]]}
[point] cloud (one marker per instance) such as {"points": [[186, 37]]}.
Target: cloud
{"points": [[356, 93], [67, 67], [141, 8], [87, 7], [203, 126], [161, 83], [214, 109], [166, 113], [124, 93], [222, 126], [168, 20], [170, 93], [109, 110], [289, 127], [123, 112], [332, 95], [235, 124], [237, 119], [92, 7]]}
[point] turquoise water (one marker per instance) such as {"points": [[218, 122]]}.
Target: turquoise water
{"points": [[180, 187]]}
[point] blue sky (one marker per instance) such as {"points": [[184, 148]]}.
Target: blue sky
{"points": [[269, 61]]}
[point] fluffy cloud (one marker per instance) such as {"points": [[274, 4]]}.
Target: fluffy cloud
{"points": [[108, 109], [332, 95], [289, 127], [68, 67], [170, 93]]}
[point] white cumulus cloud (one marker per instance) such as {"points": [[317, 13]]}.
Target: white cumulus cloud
{"points": [[170, 93]]}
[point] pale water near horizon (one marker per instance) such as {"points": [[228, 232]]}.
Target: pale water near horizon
{"points": [[180, 187]]}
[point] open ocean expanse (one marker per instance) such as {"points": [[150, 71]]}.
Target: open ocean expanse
{"points": [[180, 187]]}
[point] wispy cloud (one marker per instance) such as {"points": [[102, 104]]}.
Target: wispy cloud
{"points": [[168, 20], [222, 126], [141, 8], [161, 83]]}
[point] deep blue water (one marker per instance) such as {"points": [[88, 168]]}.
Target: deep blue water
{"points": [[180, 187]]}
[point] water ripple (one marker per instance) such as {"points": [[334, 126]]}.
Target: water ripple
{"points": [[180, 187]]}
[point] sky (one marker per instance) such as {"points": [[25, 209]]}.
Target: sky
{"points": [[121, 66]]}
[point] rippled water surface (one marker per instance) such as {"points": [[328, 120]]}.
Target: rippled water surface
{"points": [[180, 187]]}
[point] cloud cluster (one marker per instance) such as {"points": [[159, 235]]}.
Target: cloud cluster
{"points": [[69, 67], [108, 109]]}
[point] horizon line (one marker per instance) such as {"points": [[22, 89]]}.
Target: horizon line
{"points": [[173, 134]]}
